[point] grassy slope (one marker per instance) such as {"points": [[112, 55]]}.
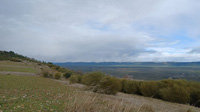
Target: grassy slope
{"points": [[26, 67], [9, 67], [18, 69], [33, 93]]}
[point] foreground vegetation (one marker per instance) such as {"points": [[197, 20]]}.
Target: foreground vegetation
{"points": [[179, 91], [21, 93], [31, 93]]}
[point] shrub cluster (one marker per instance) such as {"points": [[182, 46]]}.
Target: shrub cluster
{"points": [[45, 73], [180, 91], [101, 83], [93, 78], [75, 78], [67, 75], [109, 85], [57, 75]]}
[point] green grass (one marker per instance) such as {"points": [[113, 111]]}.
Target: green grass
{"points": [[10, 66], [37, 94], [31, 93], [14, 63], [18, 69], [19, 93]]}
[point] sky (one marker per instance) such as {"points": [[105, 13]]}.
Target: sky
{"points": [[102, 30]]}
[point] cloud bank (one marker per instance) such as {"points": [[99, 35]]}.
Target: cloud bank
{"points": [[101, 30]]}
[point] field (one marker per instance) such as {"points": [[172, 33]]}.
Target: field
{"points": [[20, 93], [142, 71]]}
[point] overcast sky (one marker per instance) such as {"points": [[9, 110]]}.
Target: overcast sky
{"points": [[101, 30]]}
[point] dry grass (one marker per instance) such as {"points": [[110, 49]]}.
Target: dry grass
{"points": [[31, 93], [85, 101]]}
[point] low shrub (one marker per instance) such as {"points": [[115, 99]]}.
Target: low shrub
{"points": [[130, 86], [45, 73], [67, 75], [50, 75], [195, 98], [93, 78], [79, 78], [109, 85], [149, 89], [57, 75], [74, 79], [176, 93], [15, 60]]}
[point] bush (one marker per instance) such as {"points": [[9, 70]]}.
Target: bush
{"points": [[57, 75], [92, 78], [45, 73], [67, 75], [175, 94], [108, 85], [74, 79], [15, 60], [50, 75], [79, 78], [195, 98], [130, 86], [149, 89], [170, 83]]}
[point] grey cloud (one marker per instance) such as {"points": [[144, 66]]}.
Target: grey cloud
{"points": [[62, 30], [195, 50]]}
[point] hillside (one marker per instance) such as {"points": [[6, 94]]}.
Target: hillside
{"points": [[13, 63], [28, 85], [32, 93]]}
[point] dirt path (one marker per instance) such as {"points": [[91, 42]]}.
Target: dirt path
{"points": [[16, 66], [16, 73], [156, 104]]}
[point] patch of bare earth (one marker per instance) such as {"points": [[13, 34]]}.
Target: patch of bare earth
{"points": [[16, 73]]}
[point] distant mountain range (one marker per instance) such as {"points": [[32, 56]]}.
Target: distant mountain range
{"points": [[140, 70], [147, 64]]}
